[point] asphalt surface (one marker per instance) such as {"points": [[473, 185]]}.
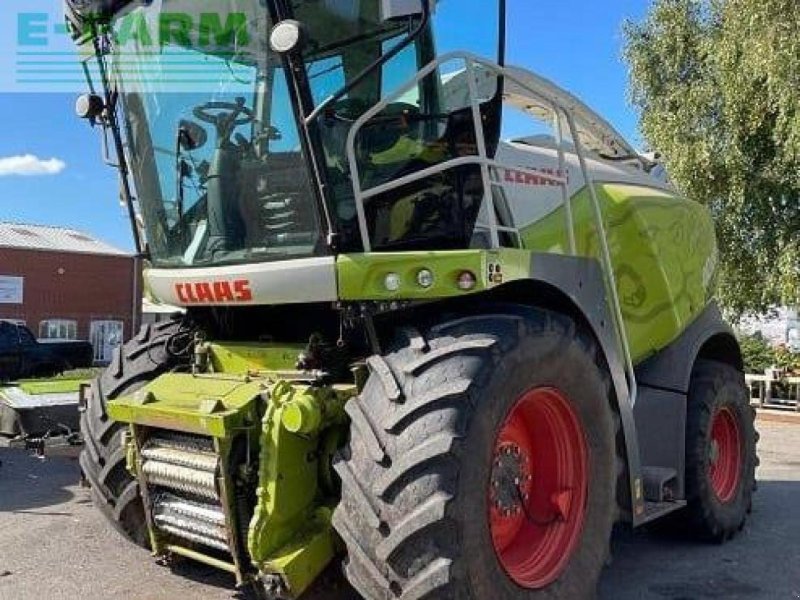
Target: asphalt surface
{"points": [[54, 545]]}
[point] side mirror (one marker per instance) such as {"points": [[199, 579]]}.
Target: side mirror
{"points": [[191, 135], [89, 106], [396, 9]]}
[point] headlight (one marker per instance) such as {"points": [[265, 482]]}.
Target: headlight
{"points": [[392, 282], [425, 278]]}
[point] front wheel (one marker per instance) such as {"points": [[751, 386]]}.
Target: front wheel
{"points": [[482, 463], [103, 459]]}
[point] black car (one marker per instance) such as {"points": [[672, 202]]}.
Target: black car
{"points": [[22, 355]]}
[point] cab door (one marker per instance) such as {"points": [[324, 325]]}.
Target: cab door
{"points": [[9, 351]]}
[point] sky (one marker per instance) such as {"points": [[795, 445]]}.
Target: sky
{"points": [[575, 43]]}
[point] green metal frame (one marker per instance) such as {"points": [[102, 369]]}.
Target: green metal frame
{"points": [[290, 533], [295, 428]]}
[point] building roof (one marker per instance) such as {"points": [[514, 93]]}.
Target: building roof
{"points": [[54, 239]]}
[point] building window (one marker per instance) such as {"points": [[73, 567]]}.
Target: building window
{"points": [[106, 336], [58, 329]]}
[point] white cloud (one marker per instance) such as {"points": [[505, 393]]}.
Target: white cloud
{"points": [[28, 164]]}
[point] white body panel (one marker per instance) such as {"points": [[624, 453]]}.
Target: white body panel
{"points": [[530, 198], [282, 282]]}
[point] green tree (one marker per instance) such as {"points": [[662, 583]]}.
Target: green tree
{"points": [[757, 353], [717, 85], [786, 359]]}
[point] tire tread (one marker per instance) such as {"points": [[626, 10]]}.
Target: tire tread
{"points": [[103, 459]]}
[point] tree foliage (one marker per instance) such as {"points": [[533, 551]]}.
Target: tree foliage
{"points": [[759, 355], [717, 84]]}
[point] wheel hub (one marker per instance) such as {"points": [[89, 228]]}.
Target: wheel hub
{"points": [[509, 480], [538, 488], [713, 453], [725, 455]]}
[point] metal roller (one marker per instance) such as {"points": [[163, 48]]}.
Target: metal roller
{"points": [[205, 462], [182, 463], [181, 441], [181, 474], [169, 504], [194, 537], [183, 479], [195, 521]]}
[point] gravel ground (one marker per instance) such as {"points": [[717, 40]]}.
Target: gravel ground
{"points": [[54, 545]]}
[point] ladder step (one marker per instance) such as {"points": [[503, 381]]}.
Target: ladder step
{"points": [[659, 483], [656, 510]]}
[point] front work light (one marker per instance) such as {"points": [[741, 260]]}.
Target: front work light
{"points": [[392, 282], [286, 36], [425, 278]]}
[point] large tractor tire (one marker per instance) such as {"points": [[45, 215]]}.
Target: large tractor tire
{"points": [[720, 452], [103, 460], [482, 463]]}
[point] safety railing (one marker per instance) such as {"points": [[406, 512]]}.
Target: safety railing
{"points": [[562, 120]]}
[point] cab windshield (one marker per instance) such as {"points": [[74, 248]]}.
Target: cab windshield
{"points": [[222, 170], [213, 143]]}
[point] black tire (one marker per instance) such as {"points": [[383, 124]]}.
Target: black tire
{"points": [[716, 386], [415, 473], [103, 460]]}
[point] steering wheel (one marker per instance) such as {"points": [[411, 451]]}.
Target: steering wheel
{"points": [[225, 116]]}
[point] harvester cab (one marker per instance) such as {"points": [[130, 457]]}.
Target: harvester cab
{"points": [[440, 317]]}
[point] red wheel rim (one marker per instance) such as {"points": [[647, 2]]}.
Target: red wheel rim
{"points": [[725, 455], [538, 488]]}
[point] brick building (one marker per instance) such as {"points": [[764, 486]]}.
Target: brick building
{"points": [[65, 284]]}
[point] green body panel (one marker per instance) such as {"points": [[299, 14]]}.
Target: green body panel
{"points": [[56, 386], [662, 247], [212, 405], [232, 357], [362, 276], [663, 251]]}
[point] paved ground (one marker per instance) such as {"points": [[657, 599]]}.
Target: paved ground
{"points": [[54, 545]]}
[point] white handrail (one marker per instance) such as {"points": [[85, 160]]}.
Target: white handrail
{"points": [[608, 266], [481, 158], [557, 109]]}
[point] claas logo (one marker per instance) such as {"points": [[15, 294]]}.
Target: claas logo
{"points": [[214, 292]]}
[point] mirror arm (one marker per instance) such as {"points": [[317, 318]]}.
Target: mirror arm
{"points": [[111, 123]]}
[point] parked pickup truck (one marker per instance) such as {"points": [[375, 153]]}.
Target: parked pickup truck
{"points": [[22, 355]]}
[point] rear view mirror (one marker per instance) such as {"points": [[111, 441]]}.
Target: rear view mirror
{"points": [[89, 106], [395, 9], [191, 135]]}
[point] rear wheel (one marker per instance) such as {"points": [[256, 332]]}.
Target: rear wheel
{"points": [[482, 463], [720, 452], [103, 461]]}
